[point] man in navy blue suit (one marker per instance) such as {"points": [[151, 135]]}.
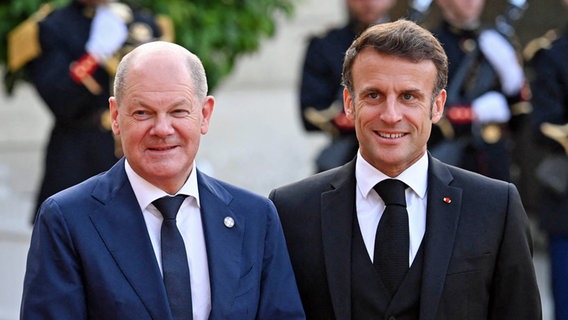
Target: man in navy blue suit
{"points": [[96, 247]]}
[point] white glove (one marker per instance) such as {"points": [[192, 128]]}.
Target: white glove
{"points": [[491, 107], [500, 53], [108, 34]]}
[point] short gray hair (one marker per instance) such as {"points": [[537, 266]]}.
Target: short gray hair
{"points": [[193, 63]]}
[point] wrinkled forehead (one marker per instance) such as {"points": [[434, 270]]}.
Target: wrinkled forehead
{"points": [[160, 63]]}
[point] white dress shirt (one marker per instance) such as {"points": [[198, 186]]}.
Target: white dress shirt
{"points": [[370, 206], [191, 229]]}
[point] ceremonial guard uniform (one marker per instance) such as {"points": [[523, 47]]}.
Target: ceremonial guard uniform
{"points": [[321, 90], [550, 118], [321, 94], [77, 48], [485, 81]]}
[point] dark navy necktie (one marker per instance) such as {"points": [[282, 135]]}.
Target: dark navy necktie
{"points": [[175, 267], [392, 239]]}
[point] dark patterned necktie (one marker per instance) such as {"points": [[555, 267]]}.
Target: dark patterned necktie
{"points": [[174, 259], [392, 239]]}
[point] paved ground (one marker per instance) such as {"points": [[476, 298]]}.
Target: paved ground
{"points": [[255, 141]]}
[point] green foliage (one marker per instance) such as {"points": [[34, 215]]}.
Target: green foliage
{"points": [[218, 31]]}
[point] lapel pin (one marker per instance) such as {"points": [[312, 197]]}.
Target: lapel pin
{"points": [[447, 200], [229, 222]]}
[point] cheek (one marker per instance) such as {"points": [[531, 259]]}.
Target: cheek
{"points": [[133, 131], [189, 129], [366, 114]]}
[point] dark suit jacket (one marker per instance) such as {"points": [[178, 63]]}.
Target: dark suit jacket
{"points": [[477, 249], [91, 256]]}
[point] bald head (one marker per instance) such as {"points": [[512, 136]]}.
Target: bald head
{"points": [[164, 56]]}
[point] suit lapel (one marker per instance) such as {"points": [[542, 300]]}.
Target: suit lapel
{"points": [[121, 226], [441, 227], [224, 244], [337, 210]]}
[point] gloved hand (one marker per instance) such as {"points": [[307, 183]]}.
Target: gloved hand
{"points": [[108, 34], [491, 107], [500, 53]]}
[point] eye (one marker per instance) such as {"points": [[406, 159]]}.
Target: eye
{"points": [[407, 96], [180, 113], [141, 114], [373, 95]]}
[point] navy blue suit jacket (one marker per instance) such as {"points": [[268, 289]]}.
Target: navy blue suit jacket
{"points": [[91, 256]]}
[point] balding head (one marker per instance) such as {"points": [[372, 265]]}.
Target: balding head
{"points": [[163, 55], [160, 112]]}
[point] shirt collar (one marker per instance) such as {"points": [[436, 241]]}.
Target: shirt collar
{"points": [[416, 176], [146, 192]]}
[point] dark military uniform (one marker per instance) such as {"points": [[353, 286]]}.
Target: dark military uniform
{"points": [[80, 146], [321, 94], [550, 105], [456, 140]]}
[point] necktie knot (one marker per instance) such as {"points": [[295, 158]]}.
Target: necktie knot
{"points": [[392, 192], [169, 206]]}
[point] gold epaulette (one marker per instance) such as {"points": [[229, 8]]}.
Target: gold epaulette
{"points": [[446, 128], [323, 118], [23, 41], [542, 42], [111, 64], [166, 25], [556, 132]]}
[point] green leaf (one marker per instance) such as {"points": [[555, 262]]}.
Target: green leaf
{"points": [[218, 31]]}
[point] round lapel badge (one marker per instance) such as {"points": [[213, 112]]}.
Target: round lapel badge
{"points": [[229, 222]]}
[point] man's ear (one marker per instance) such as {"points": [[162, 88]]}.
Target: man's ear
{"points": [[113, 108], [207, 112], [438, 106], [348, 105]]}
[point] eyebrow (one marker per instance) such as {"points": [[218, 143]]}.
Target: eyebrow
{"points": [[182, 101], [416, 92], [369, 90]]}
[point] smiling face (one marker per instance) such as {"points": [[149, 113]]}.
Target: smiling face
{"points": [[160, 118], [393, 108]]}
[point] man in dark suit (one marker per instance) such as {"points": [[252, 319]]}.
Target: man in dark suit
{"points": [[468, 249], [97, 251]]}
